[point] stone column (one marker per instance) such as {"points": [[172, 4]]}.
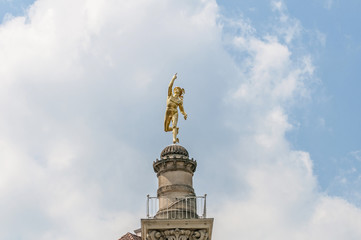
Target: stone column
{"points": [[177, 217], [175, 183]]}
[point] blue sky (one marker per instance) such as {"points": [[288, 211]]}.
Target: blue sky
{"points": [[272, 102]]}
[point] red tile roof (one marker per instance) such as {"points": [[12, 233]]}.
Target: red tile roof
{"points": [[130, 236]]}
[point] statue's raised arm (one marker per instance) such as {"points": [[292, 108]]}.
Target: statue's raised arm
{"points": [[170, 87], [174, 100]]}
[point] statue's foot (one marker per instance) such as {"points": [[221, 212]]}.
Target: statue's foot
{"points": [[176, 141]]}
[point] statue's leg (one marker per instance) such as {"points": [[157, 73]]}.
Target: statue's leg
{"points": [[167, 120], [175, 128]]}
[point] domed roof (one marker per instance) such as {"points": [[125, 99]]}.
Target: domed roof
{"points": [[174, 149]]}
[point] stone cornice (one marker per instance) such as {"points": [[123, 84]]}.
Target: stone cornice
{"points": [[174, 163]]}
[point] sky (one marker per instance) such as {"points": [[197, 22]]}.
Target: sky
{"points": [[272, 99]]}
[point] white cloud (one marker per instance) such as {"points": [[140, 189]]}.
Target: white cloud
{"points": [[278, 5], [328, 4], [288, 28], [348, 178], [82, 94], [356, 154], [321, 37]]}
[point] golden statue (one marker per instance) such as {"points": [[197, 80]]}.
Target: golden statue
{"points": [[171, 113]]}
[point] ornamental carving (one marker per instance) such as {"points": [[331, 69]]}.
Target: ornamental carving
{"points": [[177, 234]]}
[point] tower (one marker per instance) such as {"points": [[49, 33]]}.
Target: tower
{"points": [[176, 213]]}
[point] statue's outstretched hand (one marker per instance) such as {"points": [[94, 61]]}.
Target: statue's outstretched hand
{"points": [[175, 76], [185, 116]]}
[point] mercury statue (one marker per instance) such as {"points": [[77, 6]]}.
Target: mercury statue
{"points": [[174, 101]]}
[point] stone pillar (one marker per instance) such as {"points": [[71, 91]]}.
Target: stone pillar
{"points": [[175, 183], [177, 217]]}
